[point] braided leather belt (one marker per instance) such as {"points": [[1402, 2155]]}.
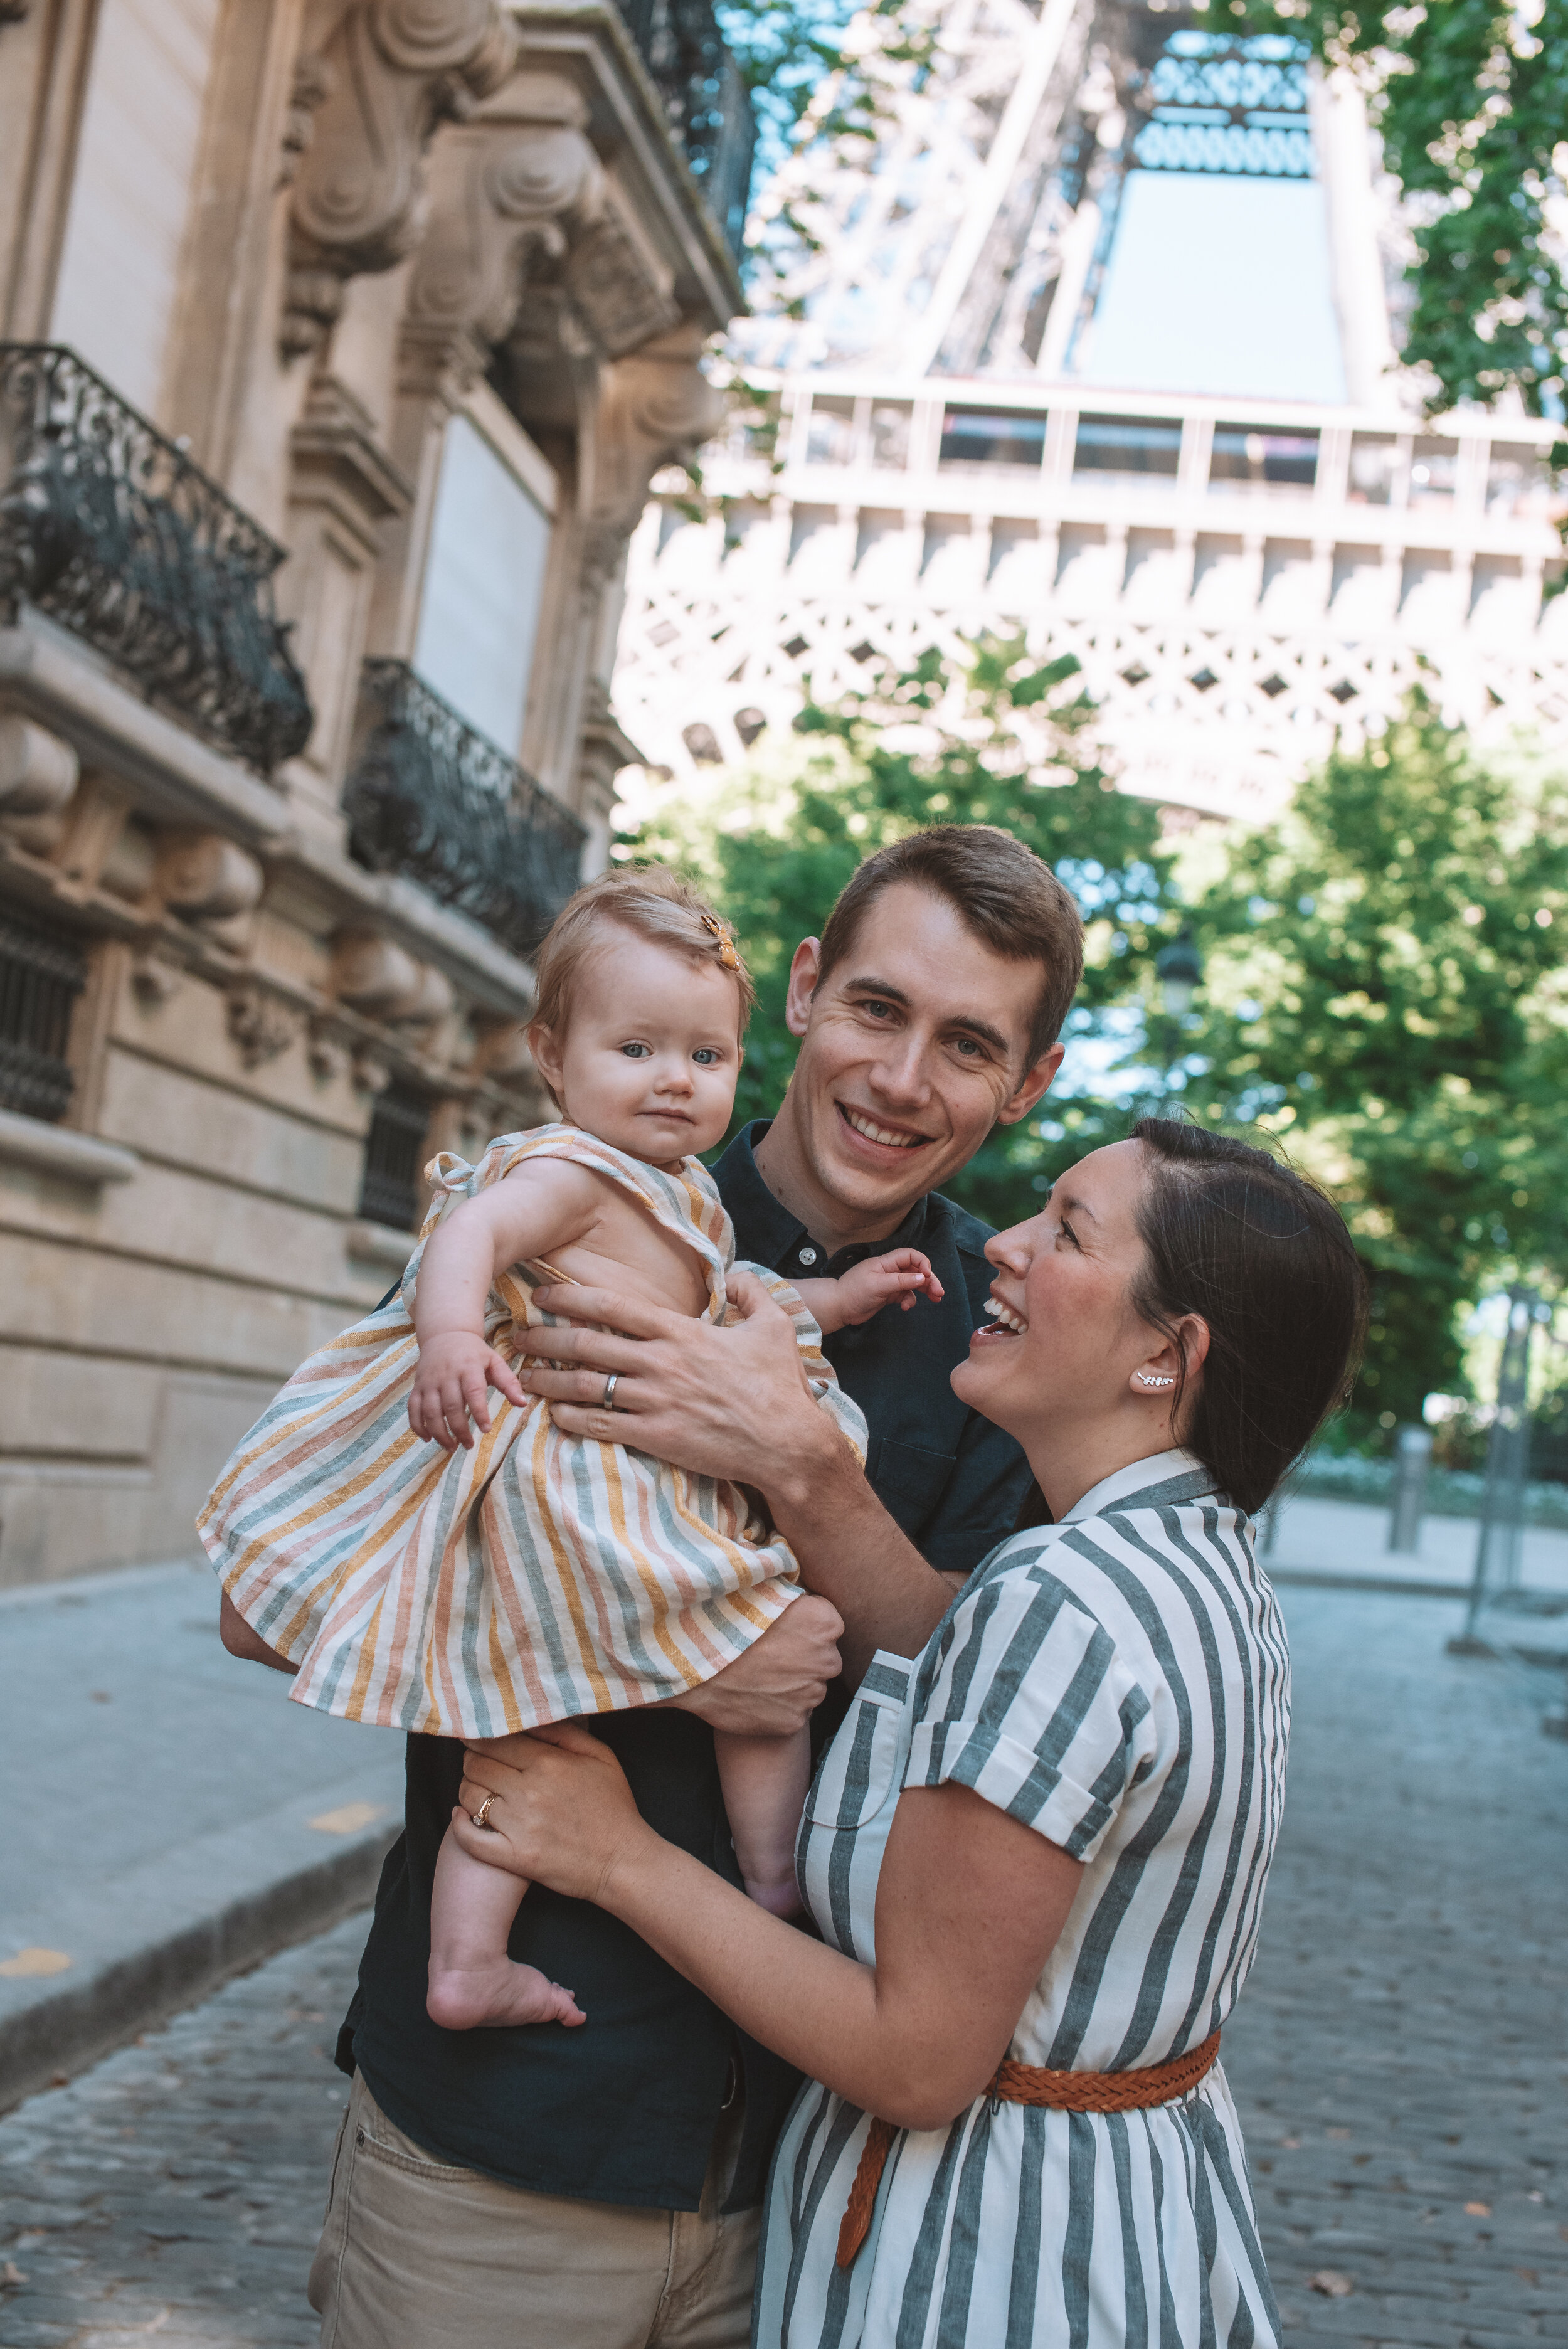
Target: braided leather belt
{"points": [[1033, 2084]]}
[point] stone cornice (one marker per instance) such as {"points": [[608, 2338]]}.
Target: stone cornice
{"points": [[629, 126], [178, 781]]}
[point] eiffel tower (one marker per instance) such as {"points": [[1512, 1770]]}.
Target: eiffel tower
{"points": [[1093, 340]]}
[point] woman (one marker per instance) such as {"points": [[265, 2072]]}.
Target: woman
{"points": [[1037, 1853]]}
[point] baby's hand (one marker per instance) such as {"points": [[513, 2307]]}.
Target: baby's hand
{"points": [[456, 1368], [866, 1288]]}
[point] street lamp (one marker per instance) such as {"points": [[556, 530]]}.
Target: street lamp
{"points": [[1179, 967]]}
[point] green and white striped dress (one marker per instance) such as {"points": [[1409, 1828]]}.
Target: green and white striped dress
{"points": [[1120, 1683]]}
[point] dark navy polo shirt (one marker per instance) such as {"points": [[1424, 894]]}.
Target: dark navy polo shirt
{"points": [[625, 2108]]}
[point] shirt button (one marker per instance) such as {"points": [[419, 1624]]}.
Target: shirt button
{"points": [[808, 1256]]}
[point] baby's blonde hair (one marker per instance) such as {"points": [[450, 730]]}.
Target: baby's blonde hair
{"points": [[651, 901]]}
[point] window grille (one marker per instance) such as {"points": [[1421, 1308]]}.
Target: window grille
{"points": [[395, 1157], [41, 972]]}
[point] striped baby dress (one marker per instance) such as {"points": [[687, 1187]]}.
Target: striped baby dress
{"points": [[1120, 1683], [536, 1577]]}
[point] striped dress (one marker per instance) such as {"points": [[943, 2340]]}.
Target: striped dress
{"points": [[538, 1576], [1120, 1683]]}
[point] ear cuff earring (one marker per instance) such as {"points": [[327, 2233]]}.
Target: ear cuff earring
{"points": [[1155, 1379]]}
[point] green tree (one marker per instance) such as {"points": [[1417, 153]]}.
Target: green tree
{"points": [[1471, 99], [784, 50], [1384, 989], [1004, 743]]}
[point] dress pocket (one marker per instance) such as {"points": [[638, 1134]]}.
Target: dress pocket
{"points": [[863, 1763]]}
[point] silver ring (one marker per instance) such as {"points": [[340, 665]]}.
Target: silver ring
{"points": [[482, 1814], [607, 1401]]}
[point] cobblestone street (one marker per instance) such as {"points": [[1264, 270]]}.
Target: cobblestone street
{"points": [[1401, 2056]]}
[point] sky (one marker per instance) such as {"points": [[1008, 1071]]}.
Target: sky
{"points": [[1217, 284]]}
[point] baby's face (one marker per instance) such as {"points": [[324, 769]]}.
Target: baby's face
{"points": [[651, 1054]]}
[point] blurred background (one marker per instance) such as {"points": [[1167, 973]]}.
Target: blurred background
{"points": [[1126, 402], [446, 446]]}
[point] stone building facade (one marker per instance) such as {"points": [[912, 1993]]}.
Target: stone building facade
{"points": [[339, 340]]}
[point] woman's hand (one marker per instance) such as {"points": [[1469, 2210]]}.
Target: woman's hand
{"points": [[561, 1811], [457, 1369]]}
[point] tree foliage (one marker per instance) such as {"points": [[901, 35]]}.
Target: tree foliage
{"points": [[1385, 987], [784, 50], [1471, 99], [1004, 743]]}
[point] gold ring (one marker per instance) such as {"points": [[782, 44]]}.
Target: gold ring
{"points": [[482, 1814]]}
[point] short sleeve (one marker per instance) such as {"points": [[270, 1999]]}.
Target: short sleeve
{"points": [[1024, 1698]]}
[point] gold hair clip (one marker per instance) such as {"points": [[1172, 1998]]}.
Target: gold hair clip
{"points": [[725, 937]]}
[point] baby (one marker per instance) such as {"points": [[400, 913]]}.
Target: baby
{"points": [[516, 1574]]}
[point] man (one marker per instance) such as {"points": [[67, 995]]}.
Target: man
{"points": [[598, 2188]]}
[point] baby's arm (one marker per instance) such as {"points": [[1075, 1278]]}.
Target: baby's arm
{"points": [[867, 1286], [544, 1205]]}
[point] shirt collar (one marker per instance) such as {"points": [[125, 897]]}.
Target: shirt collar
{"points": [[769, 1230], [764, 1227], [1164, 1478]]}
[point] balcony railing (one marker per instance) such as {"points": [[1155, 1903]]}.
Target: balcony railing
{"points": [[706, 100], [110, 529], [432, 799]]}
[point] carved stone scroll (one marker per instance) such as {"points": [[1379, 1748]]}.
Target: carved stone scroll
{"points": [[653, 409], [362, 118], [609, 281], [260, 1023], [508, 192]]}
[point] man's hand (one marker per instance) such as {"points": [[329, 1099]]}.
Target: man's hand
{"points": [[777, 1684], [720, 1402], [734, 1403]]}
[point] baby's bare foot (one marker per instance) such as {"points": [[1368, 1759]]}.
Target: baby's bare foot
{"points": [[496, 1991]]}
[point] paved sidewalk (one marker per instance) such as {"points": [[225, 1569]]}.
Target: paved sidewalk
{"points": [[168, 1814], [1399, 2056], [1333, 1541]]}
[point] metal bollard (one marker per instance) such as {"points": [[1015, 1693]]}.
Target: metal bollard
{"points": [[1412, 1458]]}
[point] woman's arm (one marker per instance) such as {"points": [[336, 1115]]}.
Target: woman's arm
{"points": [[969, 1905]]}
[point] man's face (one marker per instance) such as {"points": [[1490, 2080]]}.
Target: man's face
{"points": [[913, 1048]]}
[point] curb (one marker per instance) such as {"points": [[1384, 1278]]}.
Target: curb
{"points": [[66, 2030], [1381, 1586]]}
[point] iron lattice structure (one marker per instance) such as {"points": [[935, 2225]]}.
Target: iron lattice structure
{"points": [[108, 526], [1239, 578]]}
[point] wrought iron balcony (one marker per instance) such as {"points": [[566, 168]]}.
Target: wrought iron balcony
{"points": [[706, 100], [110, 527], [432, 799]]}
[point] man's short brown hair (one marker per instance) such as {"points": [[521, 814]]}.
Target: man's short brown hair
{"points": [[1002, 891]]}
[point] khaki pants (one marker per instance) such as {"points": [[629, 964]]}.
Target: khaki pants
{"points": [[415, 2254]]}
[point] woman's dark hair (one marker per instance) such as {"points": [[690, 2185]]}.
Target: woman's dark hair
{"points": [[1233, 1235]]}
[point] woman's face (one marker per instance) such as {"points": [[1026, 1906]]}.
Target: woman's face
{"points": [[1066, 1348]]}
